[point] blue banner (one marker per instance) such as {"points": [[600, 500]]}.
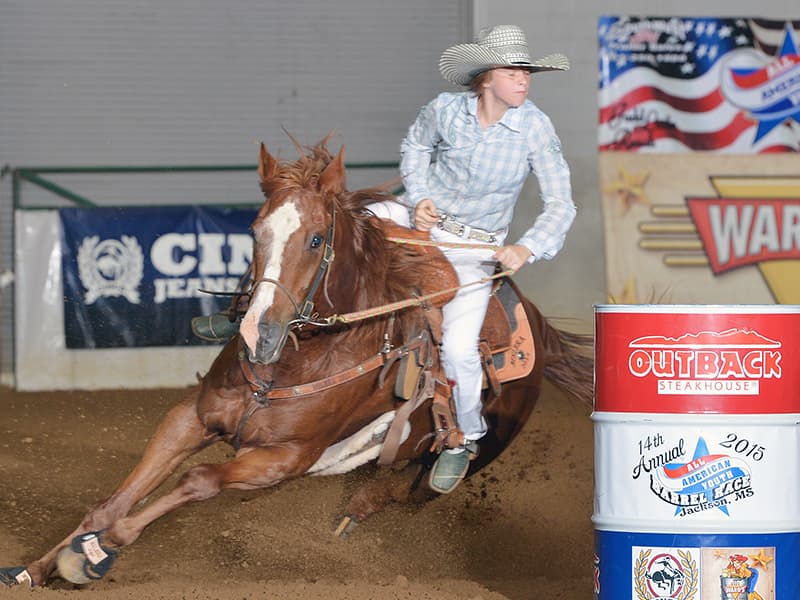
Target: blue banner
{"points": [[133, 276]]}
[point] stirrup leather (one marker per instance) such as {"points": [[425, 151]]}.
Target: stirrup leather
{"points": [[447, 432]]}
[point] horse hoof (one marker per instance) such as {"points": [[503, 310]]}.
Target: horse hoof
{"points": [[346, 527], [85, 559], [70, 566], [14, 576]]}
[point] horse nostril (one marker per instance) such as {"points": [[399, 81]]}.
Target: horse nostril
{"points": [[270, 341], [268, 332]]}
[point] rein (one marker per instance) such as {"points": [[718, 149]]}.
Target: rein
{"points": [[456, 245], [304, 316], [362, 315]]}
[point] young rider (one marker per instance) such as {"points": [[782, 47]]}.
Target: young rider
{"points": [[464, 162]]}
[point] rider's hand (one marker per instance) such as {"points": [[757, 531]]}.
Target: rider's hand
{"points": [[425, 215], [512, 257]]}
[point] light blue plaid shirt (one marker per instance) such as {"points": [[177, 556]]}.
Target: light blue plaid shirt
{"points": [[478, 173]]}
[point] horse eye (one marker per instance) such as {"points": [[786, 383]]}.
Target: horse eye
{"points": [[316, 241]]}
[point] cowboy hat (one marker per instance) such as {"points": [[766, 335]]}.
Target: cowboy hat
{"points": [[498, 46]]}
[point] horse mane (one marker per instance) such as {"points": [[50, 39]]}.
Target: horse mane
{"points": [[303, 172], [400, 267]]}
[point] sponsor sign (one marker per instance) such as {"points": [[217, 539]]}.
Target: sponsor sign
{"points": [[696, 443], [687, 84], [726, 229], [694, 473], [739, 360], [135, 276], [723, 566]]}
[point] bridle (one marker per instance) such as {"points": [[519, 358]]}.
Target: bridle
{"points": [[304, 315]]}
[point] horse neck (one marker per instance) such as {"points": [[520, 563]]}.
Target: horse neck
{"points": [[359, 270]]}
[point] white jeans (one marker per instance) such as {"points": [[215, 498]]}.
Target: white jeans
{"points": [[462, 319]]}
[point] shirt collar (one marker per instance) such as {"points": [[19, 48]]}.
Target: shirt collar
{"points": [[512, 119]]}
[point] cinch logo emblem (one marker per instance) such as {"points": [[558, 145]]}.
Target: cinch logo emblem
{"points": [[110, 268], [731, 362]]}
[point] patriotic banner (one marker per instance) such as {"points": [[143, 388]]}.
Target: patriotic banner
{"points": [[135, 276], [688, 84]]}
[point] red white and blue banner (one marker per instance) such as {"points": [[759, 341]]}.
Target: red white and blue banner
{"points": [[135, 276], [689, 84]]}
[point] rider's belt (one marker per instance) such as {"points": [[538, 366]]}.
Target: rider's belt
{"points": [[450, 225]]}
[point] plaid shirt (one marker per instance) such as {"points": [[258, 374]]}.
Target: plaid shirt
{"points": [[478, 173]]}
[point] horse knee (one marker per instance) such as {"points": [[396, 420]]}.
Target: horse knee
{"points": [[199, 483], [375, 496]]}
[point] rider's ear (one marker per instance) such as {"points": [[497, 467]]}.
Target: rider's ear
{"points": [[332, 178], [267, 168]]}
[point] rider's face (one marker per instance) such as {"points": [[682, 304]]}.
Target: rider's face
{"points": [[509, 85]]}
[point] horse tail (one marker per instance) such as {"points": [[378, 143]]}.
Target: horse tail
{"points": [[569, 361]]}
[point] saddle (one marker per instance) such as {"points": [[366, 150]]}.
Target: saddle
{"points": [[506, 345]]}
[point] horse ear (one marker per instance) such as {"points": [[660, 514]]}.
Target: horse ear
{"points": [[332, 179], [267, 166]]}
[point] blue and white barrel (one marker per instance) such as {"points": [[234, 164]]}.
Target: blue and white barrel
{"points": [[697, 449]]}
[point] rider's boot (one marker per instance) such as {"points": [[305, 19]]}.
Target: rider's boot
{"points": [[451, 466], [217, 327]]}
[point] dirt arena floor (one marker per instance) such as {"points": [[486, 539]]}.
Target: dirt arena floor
{"points": [[518, 530]]}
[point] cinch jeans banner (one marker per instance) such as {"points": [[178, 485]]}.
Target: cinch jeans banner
{"points": [[133, 276]]}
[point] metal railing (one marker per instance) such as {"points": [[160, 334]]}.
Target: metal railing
{"points": [[34, 175]]}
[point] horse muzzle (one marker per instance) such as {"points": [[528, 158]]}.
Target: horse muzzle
{"points": [[269, 345]]}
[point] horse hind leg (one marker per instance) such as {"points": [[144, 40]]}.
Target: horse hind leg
{"points": [[179, 435]]}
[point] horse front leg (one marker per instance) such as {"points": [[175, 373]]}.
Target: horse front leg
{"points": [[179, 435], [252, 469], [376, 495]]}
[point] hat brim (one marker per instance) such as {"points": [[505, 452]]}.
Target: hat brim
{"points": [[460, 63]]}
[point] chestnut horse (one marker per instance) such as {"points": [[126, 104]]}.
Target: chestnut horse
{"points": [[288, 409]]}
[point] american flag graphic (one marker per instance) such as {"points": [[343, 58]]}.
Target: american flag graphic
{"points": [[689, 84]]}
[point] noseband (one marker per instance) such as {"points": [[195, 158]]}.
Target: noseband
{"points": [[303, 315]]}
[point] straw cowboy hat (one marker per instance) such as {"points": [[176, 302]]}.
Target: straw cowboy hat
{"points": [[498, 46]]}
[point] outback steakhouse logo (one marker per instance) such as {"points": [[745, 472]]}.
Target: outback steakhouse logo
{"points": [[730, 362]]}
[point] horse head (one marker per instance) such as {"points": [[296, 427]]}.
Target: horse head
{"points": [[292, 245]]}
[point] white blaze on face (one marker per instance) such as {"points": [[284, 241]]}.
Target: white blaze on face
{"points": [[278, 227]]}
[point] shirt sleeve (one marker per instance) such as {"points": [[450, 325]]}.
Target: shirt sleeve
{"points": [[416, 151], [546, 237]]}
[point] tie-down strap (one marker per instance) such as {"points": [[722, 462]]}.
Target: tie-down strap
{"points": [[266, 392]]}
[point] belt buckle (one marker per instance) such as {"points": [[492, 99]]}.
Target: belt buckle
{"points": [[450, 225], [483, 236]]}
